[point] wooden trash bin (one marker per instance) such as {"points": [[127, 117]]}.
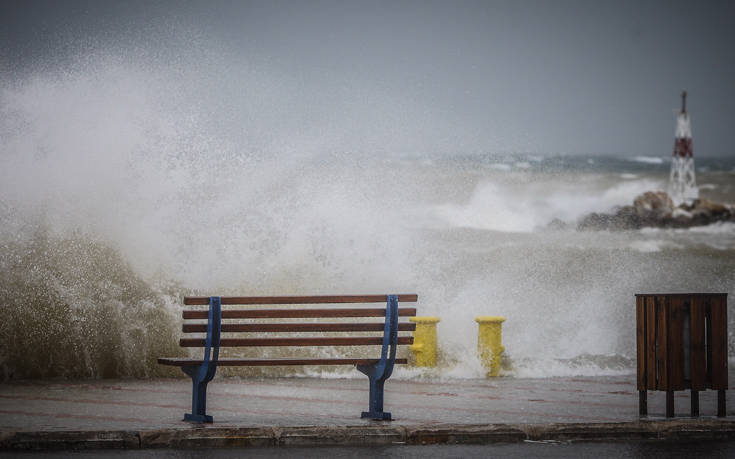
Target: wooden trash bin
{"points": [[682, 344]]}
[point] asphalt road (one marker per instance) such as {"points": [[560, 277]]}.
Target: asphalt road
{"points": [[644, 449]]}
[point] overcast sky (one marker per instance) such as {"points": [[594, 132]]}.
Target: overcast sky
{"points": [[517, 76]]}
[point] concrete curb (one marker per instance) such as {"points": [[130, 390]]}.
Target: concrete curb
{"points": [[215, 437]]}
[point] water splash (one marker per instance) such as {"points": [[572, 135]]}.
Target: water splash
{"points": [[126, 183], [74, 308]]}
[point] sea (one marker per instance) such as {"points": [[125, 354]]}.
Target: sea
{"points": [[115, 203]]}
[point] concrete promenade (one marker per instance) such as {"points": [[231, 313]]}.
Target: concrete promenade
{"points": [[311, 411]]}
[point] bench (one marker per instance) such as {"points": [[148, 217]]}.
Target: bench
{"points": [[218, 320]]}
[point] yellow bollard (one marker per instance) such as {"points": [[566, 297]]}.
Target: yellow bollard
{"points": [[490, 342], [424, 341]]}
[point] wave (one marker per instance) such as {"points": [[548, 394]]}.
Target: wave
{"points": [[652, 245], [500, 167], [494, 206], [73, 308], [583, 365], [727, 228], [648, 159]]}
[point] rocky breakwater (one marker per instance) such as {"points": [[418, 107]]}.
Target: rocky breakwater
{"points": [[656, 209]]}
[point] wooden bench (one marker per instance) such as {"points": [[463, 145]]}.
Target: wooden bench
{"points": [[377, 368]]}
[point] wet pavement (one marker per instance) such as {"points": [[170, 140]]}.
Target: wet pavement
{"points": [[439, 407]]}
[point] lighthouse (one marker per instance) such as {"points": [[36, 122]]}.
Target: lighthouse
{"points": [[682, 184]]}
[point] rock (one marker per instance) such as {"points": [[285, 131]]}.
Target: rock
{"points": [[624, 218], [705, 212], [707, 206], [656, 209], [628, 217], [594, 221], [557, 225], [653, 205], [680, 212]]}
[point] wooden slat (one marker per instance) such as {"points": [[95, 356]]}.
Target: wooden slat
{"points": [[300, 327], [651, 343], [274, 362], [662, 341], [298, 313], [315, 341], [697, 356], [719, 341], [640, 321], [675, 343], [323, 299]]}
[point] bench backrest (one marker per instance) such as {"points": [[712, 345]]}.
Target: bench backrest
{"points": [[216, 325]]}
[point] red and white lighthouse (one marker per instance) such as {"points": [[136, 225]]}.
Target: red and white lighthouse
{"points": [[682, 184]]}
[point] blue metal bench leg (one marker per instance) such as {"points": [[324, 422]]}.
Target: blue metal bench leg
{"points": [[198, 397], [379, 372], [376, 401], [202, 374]]}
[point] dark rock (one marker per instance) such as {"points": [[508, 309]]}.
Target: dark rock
{"points": [[653, 205], [656, 209], [628, 217], [624, 218], [557, 225], [701, 212]]}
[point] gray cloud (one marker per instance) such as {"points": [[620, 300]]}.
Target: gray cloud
{"points": [[540, 77]]}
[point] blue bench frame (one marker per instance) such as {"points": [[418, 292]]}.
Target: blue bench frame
{"points": [[377, 373]]}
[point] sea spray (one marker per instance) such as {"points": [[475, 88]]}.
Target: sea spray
{"points": [[126, 183], [112, 184], [72, 307]]}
